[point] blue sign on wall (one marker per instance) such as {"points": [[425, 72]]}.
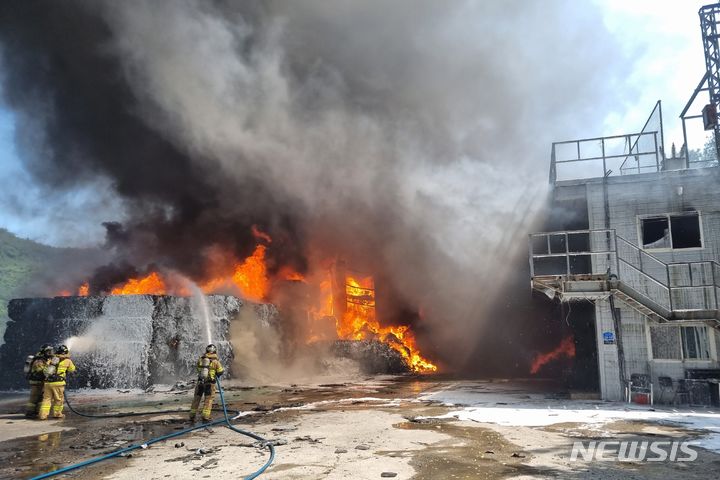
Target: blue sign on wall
{"points": [[608, 338]]}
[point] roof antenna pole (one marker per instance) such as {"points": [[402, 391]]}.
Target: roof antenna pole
{"points": [[709, 18]]}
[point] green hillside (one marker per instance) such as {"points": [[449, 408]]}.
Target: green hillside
{"points": [[21, 260]]}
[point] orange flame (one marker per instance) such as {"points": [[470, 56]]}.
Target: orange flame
{"points": [[327, 305], [288, 273], [360, 323], [251, 276], [565, 349], [151, 284], [321, 323]]}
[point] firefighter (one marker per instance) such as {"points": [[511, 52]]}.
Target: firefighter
{"points": [[56, 370], [34, 372], [209, 368]]}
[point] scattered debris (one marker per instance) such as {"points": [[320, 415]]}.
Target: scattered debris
{"points": [[284, 429], [426, 420], [212, 463], [308, 438], [274, 442]]}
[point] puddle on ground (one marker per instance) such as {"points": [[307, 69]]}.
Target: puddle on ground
{"points": [[472, 453]]}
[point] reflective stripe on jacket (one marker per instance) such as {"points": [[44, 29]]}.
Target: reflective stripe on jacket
{"points": [[214, 368], [64, 367]]}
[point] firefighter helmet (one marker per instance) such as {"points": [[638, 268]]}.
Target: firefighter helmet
{"points": [[61, 350], [46, 349], [211, 349]]}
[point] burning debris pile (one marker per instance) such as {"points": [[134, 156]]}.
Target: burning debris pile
{"points": [[371, 355], [334, 304], [122, 341], [359, 322], [138, 335]]}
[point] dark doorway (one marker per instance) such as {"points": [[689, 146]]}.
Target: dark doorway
{"points": [[584, 375]]}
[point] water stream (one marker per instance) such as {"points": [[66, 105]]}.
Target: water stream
{"points": [[204, 312]]}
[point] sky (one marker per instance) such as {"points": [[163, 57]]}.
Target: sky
{"points": [[661, 39]]}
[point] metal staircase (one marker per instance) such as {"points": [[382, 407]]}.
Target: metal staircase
{"points": [[638, 306], [595, 264]]}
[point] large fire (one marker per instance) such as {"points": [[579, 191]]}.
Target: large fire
{"points": [[251, 279], [360, 323], [565, 349], [149, 285]]}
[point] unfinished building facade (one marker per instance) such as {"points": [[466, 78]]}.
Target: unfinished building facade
{"points": [[641, 241]]}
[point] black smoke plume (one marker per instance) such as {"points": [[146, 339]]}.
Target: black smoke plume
{"points": [[408, 137]]}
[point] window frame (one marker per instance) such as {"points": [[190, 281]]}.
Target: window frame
{"points": [[668, 216], [714, 355], [683, 343]]}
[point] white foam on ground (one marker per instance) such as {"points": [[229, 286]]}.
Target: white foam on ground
{"points": [[481, 405], [377, 402]]}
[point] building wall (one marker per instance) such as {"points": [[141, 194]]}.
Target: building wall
{"points": [[634, 342], [628, 199], [610, 386], [632, 196]]}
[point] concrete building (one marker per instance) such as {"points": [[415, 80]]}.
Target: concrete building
{"points": [[641, 241]]}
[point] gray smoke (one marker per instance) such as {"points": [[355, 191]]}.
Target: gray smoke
{"points": [[408, 137]]}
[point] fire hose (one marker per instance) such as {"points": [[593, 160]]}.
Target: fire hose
{"points": [[225, 420]]}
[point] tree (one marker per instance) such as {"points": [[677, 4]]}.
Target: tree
{"points": [[707, 155]]}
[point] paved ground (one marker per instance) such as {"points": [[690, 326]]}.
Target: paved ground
{"points": [[361, 429]]}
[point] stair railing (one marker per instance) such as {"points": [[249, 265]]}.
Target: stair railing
{"points": [[694, 283], [675, 287], [571, 252], [645, 274]]}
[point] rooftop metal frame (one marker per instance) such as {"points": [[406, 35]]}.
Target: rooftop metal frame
{"points": [[710, 82]]}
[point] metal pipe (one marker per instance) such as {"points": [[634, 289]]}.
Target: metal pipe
{"points": [[670, 299], [567, 254], [712, 270], [657, 160], [532, 258], [624, 155], [610, 137], [662, 128]]}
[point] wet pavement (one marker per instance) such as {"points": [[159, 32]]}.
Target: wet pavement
{"points": [[297, 417]]}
